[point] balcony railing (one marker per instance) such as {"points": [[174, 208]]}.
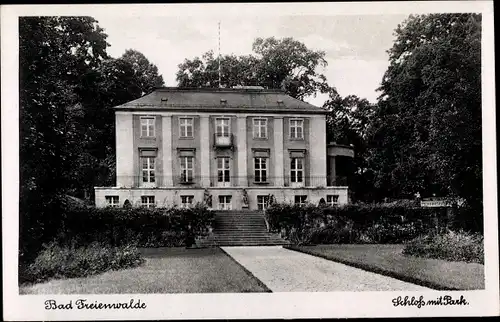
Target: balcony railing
{"points": [[223, 140]]}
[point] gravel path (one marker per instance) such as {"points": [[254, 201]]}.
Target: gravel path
{"points": [[284, 270]]}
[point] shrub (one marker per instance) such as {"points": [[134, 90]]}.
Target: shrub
{"points": [[56, 261], [142, 227], [453, 246], [360, 223]]}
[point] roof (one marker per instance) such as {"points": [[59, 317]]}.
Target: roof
{"points": [[221, 100]]}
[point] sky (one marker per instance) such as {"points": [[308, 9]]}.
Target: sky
{"points": [[355, 45]]}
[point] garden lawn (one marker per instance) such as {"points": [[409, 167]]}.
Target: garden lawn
{"points": [[388, 260], [166, 270]]}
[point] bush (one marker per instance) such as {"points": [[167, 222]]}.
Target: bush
{"points": [[142, 227], [57, 261], [360, 223], [453, 246]]}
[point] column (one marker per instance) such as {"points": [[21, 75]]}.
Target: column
{"points": [[317, 155], [124, 149], [241, 150], [204, 151], [279, 179], [167, 151]]}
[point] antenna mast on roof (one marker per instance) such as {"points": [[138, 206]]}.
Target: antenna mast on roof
{"points": [[218, 59]]}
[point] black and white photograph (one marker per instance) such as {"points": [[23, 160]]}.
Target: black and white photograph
{"points": [[250, 160]]}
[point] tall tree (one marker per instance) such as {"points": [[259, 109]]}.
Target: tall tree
{"points": [[348, 121], [145, 72], [53, 53], [426, 135], [276, 64]]}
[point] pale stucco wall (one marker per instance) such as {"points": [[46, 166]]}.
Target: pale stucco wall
{"points": [[172, 196]]}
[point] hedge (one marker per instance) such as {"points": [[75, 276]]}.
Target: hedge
{"points": [[358, 223], [142, 227]]}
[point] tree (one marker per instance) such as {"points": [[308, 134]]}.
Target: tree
{"points": [[426, 134], [68, 86], [347, 123], [145, 72], [277, 64], [53, 53]]}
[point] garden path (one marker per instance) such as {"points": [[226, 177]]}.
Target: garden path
{"points": [[284, 270]]}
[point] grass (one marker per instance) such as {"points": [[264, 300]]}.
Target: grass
{"points": [[389, 260], [166, 270]]}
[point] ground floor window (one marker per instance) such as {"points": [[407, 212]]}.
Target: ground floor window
{"points": [[148, 201], [225, 202], [300, 200], [262, 202], [332, 200], [260, 167], [187, 201], [113, 201]]}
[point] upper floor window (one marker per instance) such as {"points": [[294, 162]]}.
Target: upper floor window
{"points": [[222, 126], [260, 128], [187, 172], [186, 127], [147, 126], [296, 129], [113, 201], [260, 166], [148, 170], [148, 201]]}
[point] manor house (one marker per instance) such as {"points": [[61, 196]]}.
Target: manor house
{"points": [[230, 148]]}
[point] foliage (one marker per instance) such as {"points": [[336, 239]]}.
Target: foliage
{"points": [[143, 227], [68, 85], [453, 246], [361, 223], [277, 64], [57, 261], [348, 121], [426, 133]]}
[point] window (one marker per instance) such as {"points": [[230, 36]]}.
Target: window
{"points": [[186, 169], [224, 202], [113, 201], [332, 200], [223, 170], [222, 127], [186, 201], [148, 170], [260, 169], [147, 126], [300, 200], [148, 201], [262, 202], [297, 170], [296, 129], [186, 127], [260, 128]]}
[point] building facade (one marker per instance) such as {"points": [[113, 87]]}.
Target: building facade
{"points": [[229, 148]]}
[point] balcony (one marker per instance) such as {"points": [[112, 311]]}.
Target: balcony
{"points": [[223, 140]]}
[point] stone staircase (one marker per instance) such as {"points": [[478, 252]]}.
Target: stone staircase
{"points": [[240, 228]]}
